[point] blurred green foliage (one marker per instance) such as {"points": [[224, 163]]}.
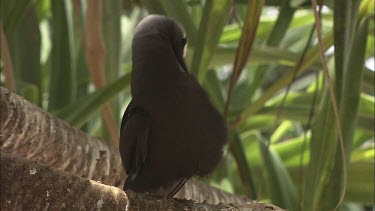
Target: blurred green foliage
{"points": [[284, 146]]}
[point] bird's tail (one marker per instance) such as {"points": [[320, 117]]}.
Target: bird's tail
{"points": [[177, 188]]}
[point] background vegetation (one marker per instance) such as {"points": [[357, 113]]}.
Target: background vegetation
{"points": [[262, 63]]}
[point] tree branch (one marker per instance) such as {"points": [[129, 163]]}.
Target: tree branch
{"points": [[27, 185], [27, 131]]}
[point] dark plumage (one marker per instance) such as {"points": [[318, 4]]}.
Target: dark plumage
{"points": [[170, 131]]}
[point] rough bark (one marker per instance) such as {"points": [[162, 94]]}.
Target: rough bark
{"points": [[27, 185], [29, 132]]}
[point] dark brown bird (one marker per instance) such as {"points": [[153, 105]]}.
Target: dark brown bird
{"points": [[170, 131]]}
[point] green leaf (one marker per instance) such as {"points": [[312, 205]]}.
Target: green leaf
{"points": [[11, 13], [290, 151], [111, 30], [214, 89], [128, 26], [360, 182], [282, 130], [277, 34], [367, 104], [366, 154], [297, 107], [212, 23], [79, 112], [368, 83], [179, 10], [29, 91], [361, 137], [232, 32], [348, 113], [281, 188], [244, 168], [62, 85], [43, 9], [311, 57], [245, 45], [26, 63], [262, 55], [322, 151], [344, 21], [112, 37], [153, 6]]}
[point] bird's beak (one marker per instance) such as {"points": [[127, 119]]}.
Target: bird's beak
{"points": [[181, 60], [182, 63]]}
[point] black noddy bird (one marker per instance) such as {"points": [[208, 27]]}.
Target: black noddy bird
{"points": [[170, 131]]}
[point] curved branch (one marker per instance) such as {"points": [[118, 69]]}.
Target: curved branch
{"points": [[28, 131], [28, 185]]}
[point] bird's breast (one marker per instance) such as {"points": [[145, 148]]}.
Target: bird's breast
{"points": [[188, 133]]}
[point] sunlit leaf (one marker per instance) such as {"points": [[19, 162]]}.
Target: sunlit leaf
{"points": [[79, 112], [63, 83], [281, 188], [212, 23], [244, 45]]}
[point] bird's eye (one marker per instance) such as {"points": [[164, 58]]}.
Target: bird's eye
{"points": [[184, 41]]}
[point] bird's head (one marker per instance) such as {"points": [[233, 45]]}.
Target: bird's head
{"points": [[156, 30]]}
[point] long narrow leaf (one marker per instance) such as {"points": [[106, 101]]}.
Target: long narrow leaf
{"points": [[27, 63], [11, 13], [324, 176], [342, 33], [82, 110], [153, 6], [111, 30], [278, 32], [245, 44], [348, 114], [214, 89], [244, 168], [62, 82], [311, 57], [178, 10], [262, 55], [232, 33], [212, 23], [360, 182], [281, 187]]}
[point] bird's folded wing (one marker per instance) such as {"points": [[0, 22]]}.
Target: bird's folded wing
{"points": [[134, 141]]}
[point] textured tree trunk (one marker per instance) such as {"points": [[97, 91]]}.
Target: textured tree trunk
{"points": [[27, 185], [29, 132]]}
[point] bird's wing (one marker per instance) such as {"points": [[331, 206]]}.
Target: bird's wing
{"points": [[135, 129]]}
